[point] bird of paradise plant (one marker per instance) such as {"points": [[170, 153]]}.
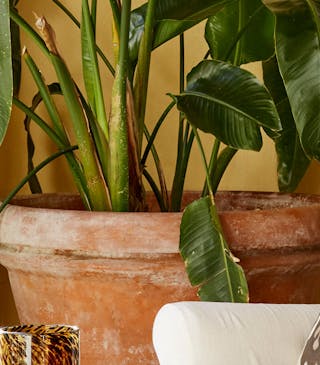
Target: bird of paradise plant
{"points": [[107, 158]]}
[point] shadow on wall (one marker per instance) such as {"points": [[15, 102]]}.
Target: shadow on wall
{"points": [[8, 312]]}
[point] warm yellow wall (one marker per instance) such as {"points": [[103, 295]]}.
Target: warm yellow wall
{"points": [[248, 171]]}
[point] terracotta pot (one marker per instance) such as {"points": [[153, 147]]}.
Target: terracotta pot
{"points": [[109, 273]]}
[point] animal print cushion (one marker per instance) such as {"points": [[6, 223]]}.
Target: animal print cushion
{"points": [[311, 351]]}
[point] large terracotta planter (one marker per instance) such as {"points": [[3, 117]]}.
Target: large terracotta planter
{"points": [[109, 273]]}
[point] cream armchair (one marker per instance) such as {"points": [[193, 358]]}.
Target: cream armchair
{"points": [[202, 333]]}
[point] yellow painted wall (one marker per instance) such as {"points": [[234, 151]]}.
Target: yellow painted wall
{"points": [[248, 171]]}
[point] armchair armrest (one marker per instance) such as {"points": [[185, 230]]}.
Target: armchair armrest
{"points": [[203, 333]]}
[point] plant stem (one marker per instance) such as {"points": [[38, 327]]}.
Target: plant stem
{"points": [[155, 132], [62, 141], [77, 23], [46, 97], [163, 185], [185, 140], [159, 196], [32, 173], [204, 161], [116, 11], [212, 164], [91, 73], [95, 184], [223, 161], [142, 70], [118, 177]]}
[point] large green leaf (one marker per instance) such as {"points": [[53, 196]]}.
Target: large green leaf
{"points": [[173, 17], [209, 262], [292, 161], [6, 79], [298, 54], [241, 32], [230, 103], [16, 53]]}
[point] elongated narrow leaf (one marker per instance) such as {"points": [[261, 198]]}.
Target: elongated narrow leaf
{"points": [[292, 160], [33, 182], [229, 103], [241, 32], [298, 54], [209, 262], [6, 79], [173, 17]]}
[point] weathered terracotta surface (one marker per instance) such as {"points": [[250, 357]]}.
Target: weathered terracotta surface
{"points": [[109, 273]]}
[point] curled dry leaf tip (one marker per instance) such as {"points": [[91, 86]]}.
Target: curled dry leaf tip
{"points": [[47, 33]]}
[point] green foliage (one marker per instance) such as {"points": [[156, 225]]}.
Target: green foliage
{"points": [[209, 262], [107, 158], [292, 160], [6, 89], [234, 32], [228, 102]]}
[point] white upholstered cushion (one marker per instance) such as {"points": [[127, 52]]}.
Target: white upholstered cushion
{"points": [[203, 333]]}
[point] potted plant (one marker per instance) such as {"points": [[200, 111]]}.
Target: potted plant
{"points": [[107, 161]]}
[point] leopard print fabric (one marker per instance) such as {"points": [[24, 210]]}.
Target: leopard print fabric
{"points": [[39, 345]]}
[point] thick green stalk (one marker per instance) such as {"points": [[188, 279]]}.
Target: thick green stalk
{"points": [[118, 177], [95, 184], [91, 73], [185, 140], [142, 70], [180, 174]]}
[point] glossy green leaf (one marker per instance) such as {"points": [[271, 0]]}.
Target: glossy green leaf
{"points": [[209, 262], [228, 102], [173, 17], [292, 160], [16, 55], [298, 54], [6, 86], [241, 32]]}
